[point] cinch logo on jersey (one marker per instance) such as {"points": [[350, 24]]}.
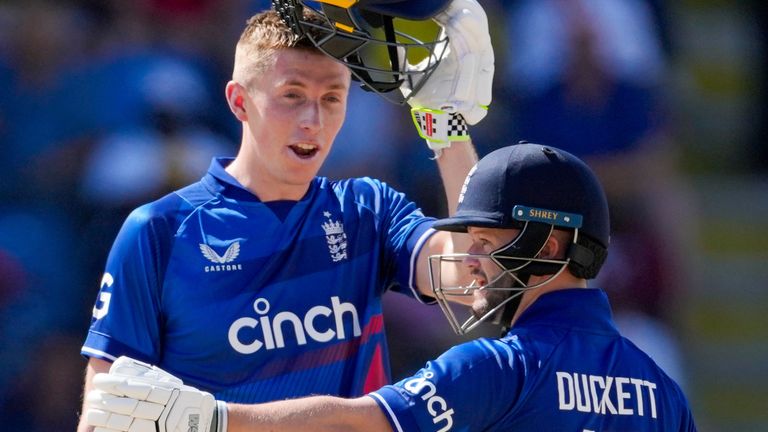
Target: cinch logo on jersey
{"points": [[222, 261], [436, 405], [329, 318], [606, 394]]}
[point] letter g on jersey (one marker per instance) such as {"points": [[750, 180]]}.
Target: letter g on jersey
{"points": [[272, 327], [101, 311]]}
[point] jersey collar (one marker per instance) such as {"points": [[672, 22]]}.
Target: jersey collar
{"points": [[576, 308], [220, 181]]}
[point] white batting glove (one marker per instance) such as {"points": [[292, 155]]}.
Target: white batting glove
{"points": [[460, 88], [137, 397]]}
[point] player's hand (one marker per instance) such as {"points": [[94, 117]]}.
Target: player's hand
{"points": [[137, 397], [462, 82]]}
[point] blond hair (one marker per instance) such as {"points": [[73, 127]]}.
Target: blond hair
{"points": [[264, 34]]}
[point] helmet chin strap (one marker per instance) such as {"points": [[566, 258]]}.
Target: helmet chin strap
{"points": [[527, 245], [504, 316]]}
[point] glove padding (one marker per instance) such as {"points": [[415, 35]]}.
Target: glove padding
{"points": [[137, 397], [462, 82]]}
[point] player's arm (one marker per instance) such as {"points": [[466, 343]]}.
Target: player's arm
{"points": [[442, 243], [126, 314], [94, 366], [456, 96], [454, 164], [318, 413]]}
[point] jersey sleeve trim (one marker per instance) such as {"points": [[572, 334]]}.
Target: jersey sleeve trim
{"points": [[390, 414], [422, 233], [104, 347], [90, 352]]}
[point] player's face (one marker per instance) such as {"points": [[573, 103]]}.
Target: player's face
{"points": [[295, 109], [485, 272]]}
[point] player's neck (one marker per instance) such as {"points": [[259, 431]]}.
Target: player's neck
{"points": [[564, 281], [265, 188]]}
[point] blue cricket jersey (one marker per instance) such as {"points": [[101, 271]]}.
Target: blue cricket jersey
{"points": [[562, 367], [211, 285]]}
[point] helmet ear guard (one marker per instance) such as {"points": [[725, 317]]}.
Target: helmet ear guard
{"points": [[586, 257]]}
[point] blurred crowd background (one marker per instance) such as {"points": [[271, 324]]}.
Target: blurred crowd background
{"points": [[107, 104]]}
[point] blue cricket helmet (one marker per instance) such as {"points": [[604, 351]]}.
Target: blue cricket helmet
{"points": [[531, 176], [539, 188]]}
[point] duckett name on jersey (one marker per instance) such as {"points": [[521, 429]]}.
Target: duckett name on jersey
{"points": [[272, 327], [606, 395]]}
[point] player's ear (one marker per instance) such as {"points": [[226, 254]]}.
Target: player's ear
{"points": [[236, 95], [553, 248]]}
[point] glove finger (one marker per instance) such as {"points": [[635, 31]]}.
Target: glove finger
{"points": [[142, 425], [97, 417], [108, 421], [151, 391], [101, 401], [159, 395], [109, 402], [137, 388], [119, 422], [148, 411], [122, 386]]}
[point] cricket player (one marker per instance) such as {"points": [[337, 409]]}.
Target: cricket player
{"points": [[538, 220], [263, 281]]}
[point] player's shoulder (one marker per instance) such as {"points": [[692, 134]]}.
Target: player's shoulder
{"points": [[366, 191], [643, 359], [669, 390], [355, 185], [495, 352], [168, 211], [366, 187], [537, 340]]}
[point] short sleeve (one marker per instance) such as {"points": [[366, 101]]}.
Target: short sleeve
{"points": [[468, 388], [127, 314], [405, 230]]}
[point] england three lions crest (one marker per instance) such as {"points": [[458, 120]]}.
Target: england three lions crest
{"points": [[336, 238]]}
